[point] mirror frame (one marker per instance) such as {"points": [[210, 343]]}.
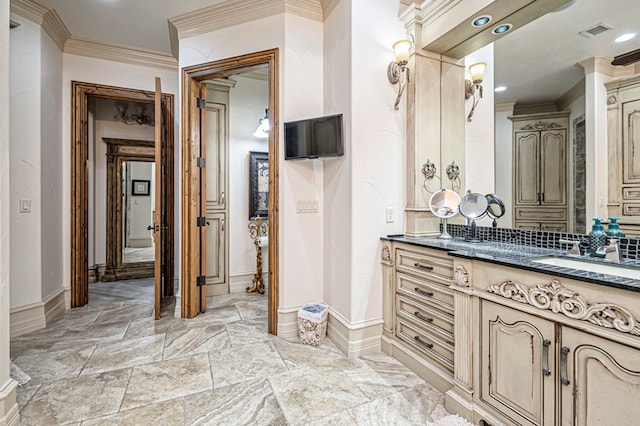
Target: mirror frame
{"points": [[119, 150]]}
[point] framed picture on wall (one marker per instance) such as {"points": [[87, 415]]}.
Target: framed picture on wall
{"points": [[140, 187], [258, 184]]}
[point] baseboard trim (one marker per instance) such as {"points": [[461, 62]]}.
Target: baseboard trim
{"points": [[35, 316], [354, 339], [288, 322], [9, 410]]}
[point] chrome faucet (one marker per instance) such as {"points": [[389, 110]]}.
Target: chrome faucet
{"points": [[611, 252], [575, 249]]}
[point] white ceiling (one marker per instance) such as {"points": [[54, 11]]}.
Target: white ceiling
{"points": [[138, 23], [537, 62]]}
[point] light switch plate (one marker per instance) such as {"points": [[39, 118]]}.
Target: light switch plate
{"points": [[391, 217]]}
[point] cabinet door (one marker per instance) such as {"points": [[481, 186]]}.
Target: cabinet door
{"points": [[631, 142], [216, 253], [553, 167], [602, 384], [518, 365], [526, 178], [216, 157]]}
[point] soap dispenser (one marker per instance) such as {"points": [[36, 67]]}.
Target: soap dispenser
{"points": [[613, 230], [597, 236]]}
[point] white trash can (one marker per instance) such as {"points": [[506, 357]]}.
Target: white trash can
{"points": [[312, 323]]}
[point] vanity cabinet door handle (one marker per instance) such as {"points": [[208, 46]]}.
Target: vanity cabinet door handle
{"points": [[421, 266], [424, 293], [564, 379], [545, 357], [423, 318], [423, 343]]}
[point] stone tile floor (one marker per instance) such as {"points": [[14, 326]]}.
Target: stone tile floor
{"points": [[110, 363]]}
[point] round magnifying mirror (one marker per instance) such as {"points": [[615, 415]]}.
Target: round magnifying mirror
{"points": [[473, 206], [444, 204], [496, 209]]}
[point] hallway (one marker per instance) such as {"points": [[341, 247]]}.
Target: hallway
{"points": [[110, 363]]}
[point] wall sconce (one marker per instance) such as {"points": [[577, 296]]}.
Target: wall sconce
{"points": [[473, 87], [398, 69], [140, 118], [263, 127]]}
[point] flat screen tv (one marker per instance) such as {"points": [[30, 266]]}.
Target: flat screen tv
{"points": [[313, 138]]}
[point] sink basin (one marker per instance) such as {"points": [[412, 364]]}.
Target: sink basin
{"points": [[585, 265]]}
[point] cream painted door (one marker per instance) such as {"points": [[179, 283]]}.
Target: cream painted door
{"points": [[631, 142], [216, 169], [517, 364], [602, 381], [553, 167], [527, 168]]}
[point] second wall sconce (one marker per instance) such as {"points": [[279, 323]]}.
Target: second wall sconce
{"points": [[473, 87], [398, 72]]}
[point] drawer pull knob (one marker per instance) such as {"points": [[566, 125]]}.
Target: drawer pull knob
{"points": [[423, 318], [425, 293], [423, 343], [421, 266]]}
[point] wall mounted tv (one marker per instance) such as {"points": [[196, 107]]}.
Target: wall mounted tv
{"points": [[313, 138]]}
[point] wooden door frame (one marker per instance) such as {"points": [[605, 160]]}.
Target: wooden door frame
{"points": [[80, 93], [190, 209]]}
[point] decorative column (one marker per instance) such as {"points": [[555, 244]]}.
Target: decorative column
{"points": [[435, 125], [386, 260]]}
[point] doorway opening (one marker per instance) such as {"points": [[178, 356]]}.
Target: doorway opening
{"points": [[120, 153], [199, 200]]}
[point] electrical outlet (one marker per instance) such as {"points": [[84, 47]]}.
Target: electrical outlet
{"points": [[391, 217], [25, 206]]}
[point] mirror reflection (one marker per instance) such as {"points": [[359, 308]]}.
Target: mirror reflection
{"points": [[544, 100], [137, 213]]}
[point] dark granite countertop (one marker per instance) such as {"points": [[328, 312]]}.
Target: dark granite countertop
{"points": [[520, 256]]}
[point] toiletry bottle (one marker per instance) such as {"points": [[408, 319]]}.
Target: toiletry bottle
{"points": [[613, 230], [597, 236]]}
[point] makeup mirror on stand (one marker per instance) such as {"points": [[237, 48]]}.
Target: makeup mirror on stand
{"points": [[444, 204], [473, 206], [496, 209]]}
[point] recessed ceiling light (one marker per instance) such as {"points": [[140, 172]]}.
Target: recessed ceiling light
{"points": [[501, 29], [500, 89], [481, 21], [625, 37]]}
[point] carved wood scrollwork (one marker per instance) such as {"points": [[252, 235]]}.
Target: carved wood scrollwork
{"points": [[560, 300], [541, 125], [612, 99], [460, 276], [386, 254]]}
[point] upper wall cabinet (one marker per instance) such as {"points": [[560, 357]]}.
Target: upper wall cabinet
{"points": [[540, 171], [457, 36]]}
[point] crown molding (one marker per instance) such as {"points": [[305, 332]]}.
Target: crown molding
{"points": [[328, 6], [45, 16], [118, 53], [234, 12]]}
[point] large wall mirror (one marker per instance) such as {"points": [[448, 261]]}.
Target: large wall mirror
{"points": [[130, 201], [537, 66]]}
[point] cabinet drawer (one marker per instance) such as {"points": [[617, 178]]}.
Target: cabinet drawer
{"points": [[432, 347], [432, 320], [540, 214], [631, 209], [426, 292], [434, 266], [631, 193]]}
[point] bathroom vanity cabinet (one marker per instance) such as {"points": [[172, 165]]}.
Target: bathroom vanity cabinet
{"points": [[528, 347]]}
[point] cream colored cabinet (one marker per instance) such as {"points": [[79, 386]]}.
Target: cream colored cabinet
{"points": [[418, 313], [540, 171], [623, 129], [517, 364], [600, 381]]}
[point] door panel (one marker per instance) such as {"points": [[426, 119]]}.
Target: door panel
{"points": [[216, 156], [526, 158], [216, 253], [604, 381], [157, 213], [513, 355], [631, 141], [553, 167]]}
